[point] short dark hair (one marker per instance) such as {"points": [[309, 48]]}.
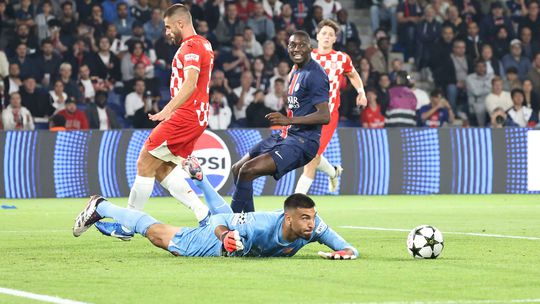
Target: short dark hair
{"points": [[479, 61], [436, 92], [298, 200], [517, 91], [328, 22], [279, 80], [303, 34], [174, 9], [512, 70]]}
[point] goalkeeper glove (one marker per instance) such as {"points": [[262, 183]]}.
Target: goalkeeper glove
{"points": [[337, 255], [231, 241]]}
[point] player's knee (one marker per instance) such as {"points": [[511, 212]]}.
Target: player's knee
{"points": [[235, 169], [247, 171]]}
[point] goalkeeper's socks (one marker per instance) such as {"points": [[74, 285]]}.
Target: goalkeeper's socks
{"points": [[132, 219], [304, 183], [243, 197], [215, 202]]}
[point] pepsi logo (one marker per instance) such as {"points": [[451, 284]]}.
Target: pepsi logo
{"points": [[214, 158]]}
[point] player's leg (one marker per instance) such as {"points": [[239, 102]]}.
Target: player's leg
{"points": [[243, 195], [171, 178], [140, 192], [160, 235], [333, 172], [236, 166], [307, 177], [215, 202]]}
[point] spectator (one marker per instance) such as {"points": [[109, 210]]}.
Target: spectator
{"points": [[384, 10], [13, 81], [368, 76], [281, 41], [230, 25], [301, 10], [401, 111], [478, 88], [26, 64], [260, 79], [86, 84], [70, 86], [15, 116], [531, 20], [454, 20], [213, 10], [272, 8], [329, 7], [245, 94], [97, 21], [84, 8], [137, 34], [23, 35], [4, 65], [99, 115], [520, 115], [409, 14], [380, 60], [104, 63], [452, 74], [494, 20], [195, 10], [427, 31], [42, 19], [118, 46], [282, 72], [136, 55], [498, 118], [235, 62], [221, 83], [436, 114], [534, 74], [68, 19], [7, 24], [314, 18], [269, 58], [512, 79], [142, 12], [473, 42], [262, 26], [493, 65], [395, 67], [245, 9], [383, 95], [124, 22], [529, 46], [36, 101], [440, 8], [110, 14], [25, 13], [140, 119], [256, 112], [498, 98], [531, 98], [517, 10], [501, 43], [277, 98], [154, 27], [79, 55], [57, 96], [57, 123], [516, 60], [371, 116], [220, 114], [422, 97], [136, 99], [58, 41], [443, 47], [285, 20], [75, 118], [348, 31], [47, 63], [204, 30], [252, 47]]}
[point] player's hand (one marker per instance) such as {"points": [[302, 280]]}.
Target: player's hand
{"points": [[337, 255], [232, 241], [162, 115], [361, 100], [277, 118]]}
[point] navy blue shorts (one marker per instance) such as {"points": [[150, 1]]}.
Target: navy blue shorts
{"points": [[288, 153]]}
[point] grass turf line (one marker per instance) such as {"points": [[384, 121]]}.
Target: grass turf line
{"points": [[97, 269]]}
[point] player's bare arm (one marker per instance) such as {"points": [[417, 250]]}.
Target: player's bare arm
{"points": [[358, 84], [186, 90], [319, 117]]}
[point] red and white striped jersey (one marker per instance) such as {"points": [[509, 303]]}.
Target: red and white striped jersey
{"points": [[195, 52], [335, 64]]}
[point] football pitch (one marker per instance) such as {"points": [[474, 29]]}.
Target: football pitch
{"points": [[491, 255]]}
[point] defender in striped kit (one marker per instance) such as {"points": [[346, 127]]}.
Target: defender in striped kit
{"points": [[298, 142], [336, 64]]}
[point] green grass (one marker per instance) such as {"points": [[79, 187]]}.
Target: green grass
{"points": [[38, 254]]}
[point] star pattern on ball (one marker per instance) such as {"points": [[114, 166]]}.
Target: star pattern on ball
{"points": [[416, 251]]}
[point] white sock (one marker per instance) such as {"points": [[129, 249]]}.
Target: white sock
{"points": [[304, 183], [326, 167], [179, 188], [140, 192]]}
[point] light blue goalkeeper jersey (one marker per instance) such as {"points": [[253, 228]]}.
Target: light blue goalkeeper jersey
{"points": [[261, 233]]}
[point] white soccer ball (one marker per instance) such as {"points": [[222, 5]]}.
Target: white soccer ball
{"points": [[425, 242]]}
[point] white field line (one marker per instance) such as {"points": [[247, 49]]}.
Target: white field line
{"points": [[37, 231], [454, 302], [533, 238], [38, 297]]}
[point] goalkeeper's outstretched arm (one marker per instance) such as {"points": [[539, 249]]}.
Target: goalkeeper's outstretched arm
{"points": [[342, 249]]}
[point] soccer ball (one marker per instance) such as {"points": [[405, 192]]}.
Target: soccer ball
{"points": [[425, 242]]}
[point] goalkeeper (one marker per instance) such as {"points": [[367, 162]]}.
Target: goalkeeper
{"points": [[256, 234]]}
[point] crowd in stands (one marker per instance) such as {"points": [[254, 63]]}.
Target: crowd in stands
{"points": [[90, 64]]}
